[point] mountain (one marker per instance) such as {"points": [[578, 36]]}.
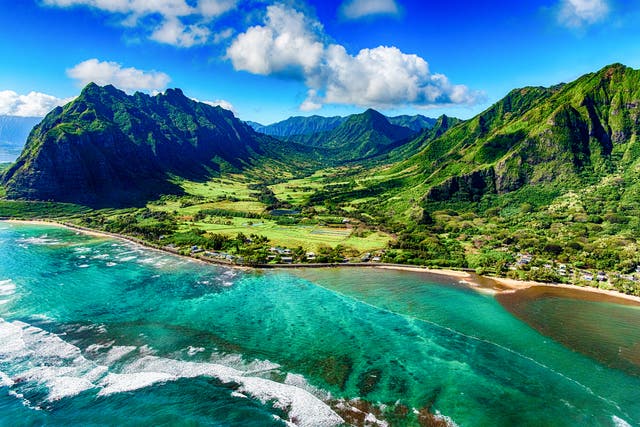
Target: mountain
{"points": [[416, 123], [255, 125], [109, 148], [299, 126], [359, 137], [314, 124], [427, 135], [568, 135], [13, 134]]}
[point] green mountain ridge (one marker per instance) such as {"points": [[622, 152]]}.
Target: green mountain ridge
{"points": [[106, 147], [569, 133]]}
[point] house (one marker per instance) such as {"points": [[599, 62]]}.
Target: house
{"points": [[376, 259], [286, 260], [562, 270], [601, 277], [588, 277], [311, 256]]}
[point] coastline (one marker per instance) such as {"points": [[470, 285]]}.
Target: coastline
{"points": [[107, 235], [484, 284]]}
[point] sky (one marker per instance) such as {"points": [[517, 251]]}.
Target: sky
{"points": [[267, 60]]}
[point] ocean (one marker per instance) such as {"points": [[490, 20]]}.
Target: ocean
{"points": [[98, 331]]}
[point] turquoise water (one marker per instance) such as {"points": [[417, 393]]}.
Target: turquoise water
{"points": [[101, 332]]}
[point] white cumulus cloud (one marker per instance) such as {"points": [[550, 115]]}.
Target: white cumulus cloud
{"points": [[356, 9], [33, 104], [221, 103], [287, 43], [291, 44], [578, 13], [174, 32], [182, 23], [107, 72]]}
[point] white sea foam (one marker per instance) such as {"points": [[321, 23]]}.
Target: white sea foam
{"points": [[302, 406], [43, 240], [192, 351], [111, 264], [100, 256], [61, 386], [37, 356], [5, 381], [619, 422], [127, 258], [98, 347], [117, 353], [7, 287], [118, 383], [372, 420], [83, 266]]}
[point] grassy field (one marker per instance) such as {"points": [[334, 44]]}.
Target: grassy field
{"points": [[309, 237], [229, 187], [233, 194]]}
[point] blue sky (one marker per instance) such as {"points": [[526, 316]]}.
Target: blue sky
{"points": [[269, 60]]}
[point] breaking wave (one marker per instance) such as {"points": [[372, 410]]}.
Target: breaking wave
{"points": [[32, 359]]}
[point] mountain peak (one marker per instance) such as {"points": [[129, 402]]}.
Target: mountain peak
{"points": [[93, 91], [174, 92], [370, 112]]}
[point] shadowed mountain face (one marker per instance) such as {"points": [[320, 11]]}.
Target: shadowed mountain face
{"points": [[108, 148]]}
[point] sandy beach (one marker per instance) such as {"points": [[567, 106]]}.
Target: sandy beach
{"points": [[490, 285], [417, 269]]}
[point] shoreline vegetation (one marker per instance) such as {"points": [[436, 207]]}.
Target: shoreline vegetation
{"points": [[486, 284]]}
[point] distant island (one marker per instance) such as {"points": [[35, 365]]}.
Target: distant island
{"points": [[541, 186]]}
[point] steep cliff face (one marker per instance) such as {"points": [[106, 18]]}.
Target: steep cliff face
{"points": [[567, 133], [109, 148]]}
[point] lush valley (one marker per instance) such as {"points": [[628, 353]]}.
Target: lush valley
{"points": [[543, 185]]}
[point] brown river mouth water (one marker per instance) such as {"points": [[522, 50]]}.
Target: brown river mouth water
{"points": [[601, 326]]}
